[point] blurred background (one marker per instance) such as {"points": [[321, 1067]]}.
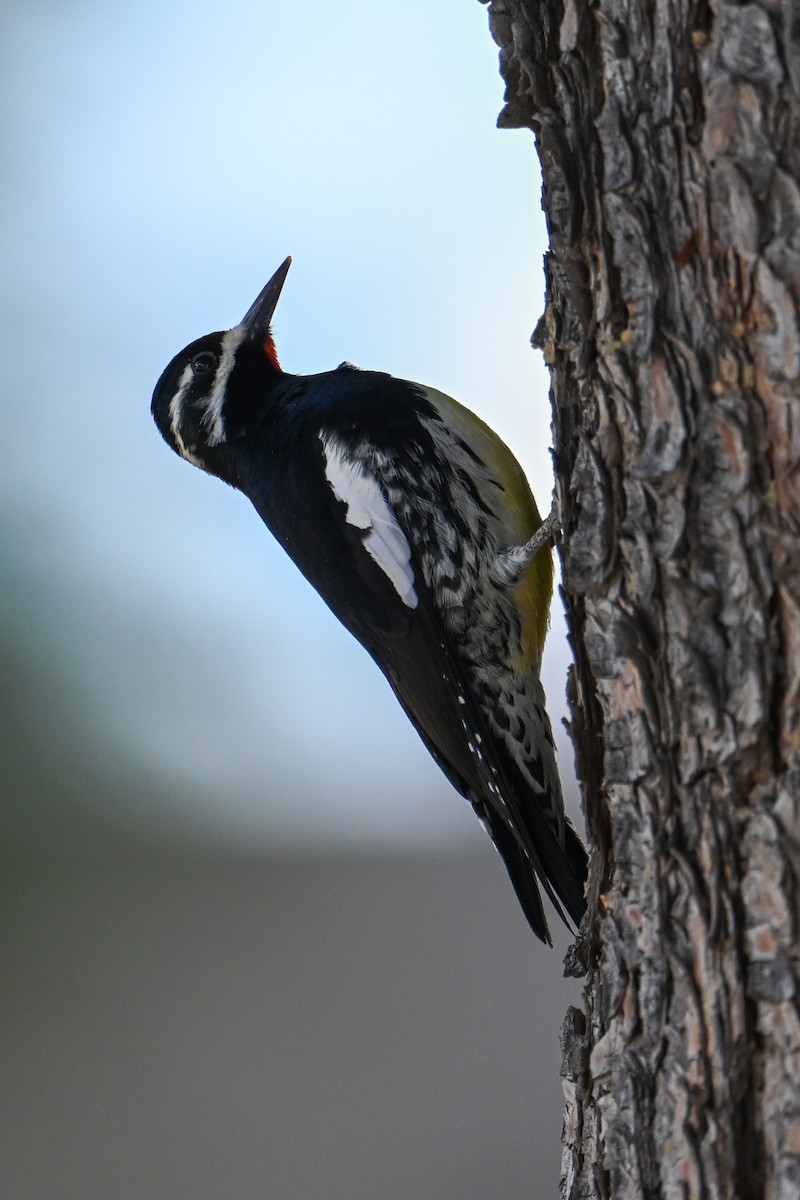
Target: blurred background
{"points": [[253, 943]]}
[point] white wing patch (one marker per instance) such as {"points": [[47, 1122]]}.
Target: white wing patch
{"points": [[367, 509]]}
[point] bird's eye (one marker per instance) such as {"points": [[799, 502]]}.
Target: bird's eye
{"points": [[204, 362]]}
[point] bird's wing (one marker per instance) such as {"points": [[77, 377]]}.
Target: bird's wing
{"points": [[407, 531], [343, 526]]}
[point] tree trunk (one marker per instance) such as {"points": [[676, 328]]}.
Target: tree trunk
{"points": [[669, 137]]}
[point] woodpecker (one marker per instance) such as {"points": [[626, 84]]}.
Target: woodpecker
{"points": [[416, 525]]}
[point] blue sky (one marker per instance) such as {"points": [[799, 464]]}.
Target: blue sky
{"points": [[162, 160]]}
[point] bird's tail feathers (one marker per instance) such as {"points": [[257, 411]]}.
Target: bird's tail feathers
{"points": [[540, 858], [561, 868], [518, 865]]}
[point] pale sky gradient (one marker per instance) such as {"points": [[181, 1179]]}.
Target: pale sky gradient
{"points": [[163, 159]]}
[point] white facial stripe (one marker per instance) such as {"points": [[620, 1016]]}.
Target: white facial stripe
{"points": [[212, 417], [367, 509], [176, 416]]}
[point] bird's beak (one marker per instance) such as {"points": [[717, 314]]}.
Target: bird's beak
{"points": [[258, 317]]}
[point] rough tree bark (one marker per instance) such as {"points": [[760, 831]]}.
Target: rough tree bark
{"points": [[669, 137]]}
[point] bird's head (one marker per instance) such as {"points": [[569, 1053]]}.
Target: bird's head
{"points": [[206, 398]]}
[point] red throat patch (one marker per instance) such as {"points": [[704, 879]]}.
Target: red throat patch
{"points": [[271, 352]]}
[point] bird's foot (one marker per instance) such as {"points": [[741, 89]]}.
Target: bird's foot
{"points": [[510, 565]]}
